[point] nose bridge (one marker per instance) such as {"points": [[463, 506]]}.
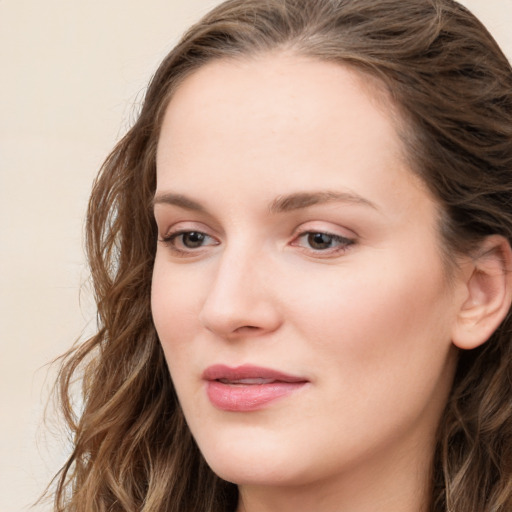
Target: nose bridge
{"points": [[240, 295]]}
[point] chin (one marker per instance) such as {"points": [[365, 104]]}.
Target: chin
{"points": [[251, 462], [255, 473]]}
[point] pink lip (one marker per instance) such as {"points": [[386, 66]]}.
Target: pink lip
{"points": [[227, 393]]}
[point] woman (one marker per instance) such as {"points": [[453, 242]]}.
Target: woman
{"points": [[301, 257]]}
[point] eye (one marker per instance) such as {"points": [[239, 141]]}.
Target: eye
{"points": [[191, 239], [318, 241], [187, 241]]}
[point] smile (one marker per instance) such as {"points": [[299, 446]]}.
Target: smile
{"points": [[247, 388]]}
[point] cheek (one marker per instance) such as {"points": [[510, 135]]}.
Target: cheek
{"points": [[172, 305], [176, 323], [378, 344], [379, 321]]}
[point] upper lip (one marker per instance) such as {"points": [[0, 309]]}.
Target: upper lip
{"points": [[247, 371]]}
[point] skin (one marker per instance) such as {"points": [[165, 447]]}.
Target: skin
{"points": [[367, 321]]}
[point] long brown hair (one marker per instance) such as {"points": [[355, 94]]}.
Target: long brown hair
{"points": [[453, 88]]}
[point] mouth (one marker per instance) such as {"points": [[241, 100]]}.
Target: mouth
{"points": [[248, 388], [246, 381]]}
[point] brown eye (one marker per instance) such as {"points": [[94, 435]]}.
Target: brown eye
{"points": [[188, 241], [192, 239], [321, 241]]}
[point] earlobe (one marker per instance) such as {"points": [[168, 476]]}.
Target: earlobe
{"points": [[489, 294]]}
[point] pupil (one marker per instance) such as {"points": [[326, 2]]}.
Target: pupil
{"points": [[193, 239], [319, 240]]}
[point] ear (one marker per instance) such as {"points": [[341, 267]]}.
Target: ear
{"points": [[488, 294]]}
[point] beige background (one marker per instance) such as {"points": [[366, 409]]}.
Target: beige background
{"points": [[70, 74]]}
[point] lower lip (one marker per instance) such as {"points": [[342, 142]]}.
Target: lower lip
{"points": [[248, 397]]}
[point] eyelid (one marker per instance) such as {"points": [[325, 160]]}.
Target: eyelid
{"points": [[175, 234], [345, 240], [180, 228], [329, 228], [183, 226]]}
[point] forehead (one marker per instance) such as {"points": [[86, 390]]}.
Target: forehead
{"points": [[284, 81], [280, 119]]}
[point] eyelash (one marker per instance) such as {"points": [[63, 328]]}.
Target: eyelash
{"points": [[170, 241], [342, 243]]}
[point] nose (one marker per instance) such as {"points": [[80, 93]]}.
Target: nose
{"points": [[242, 299]]}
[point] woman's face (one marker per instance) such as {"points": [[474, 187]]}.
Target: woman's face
{"points": [[299, 291]]}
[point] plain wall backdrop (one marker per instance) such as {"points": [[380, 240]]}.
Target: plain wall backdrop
{"points": [[71, 75]]}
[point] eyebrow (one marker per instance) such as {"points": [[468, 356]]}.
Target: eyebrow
{"points": [[301, 200], [281, 204], [178, 200]]}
